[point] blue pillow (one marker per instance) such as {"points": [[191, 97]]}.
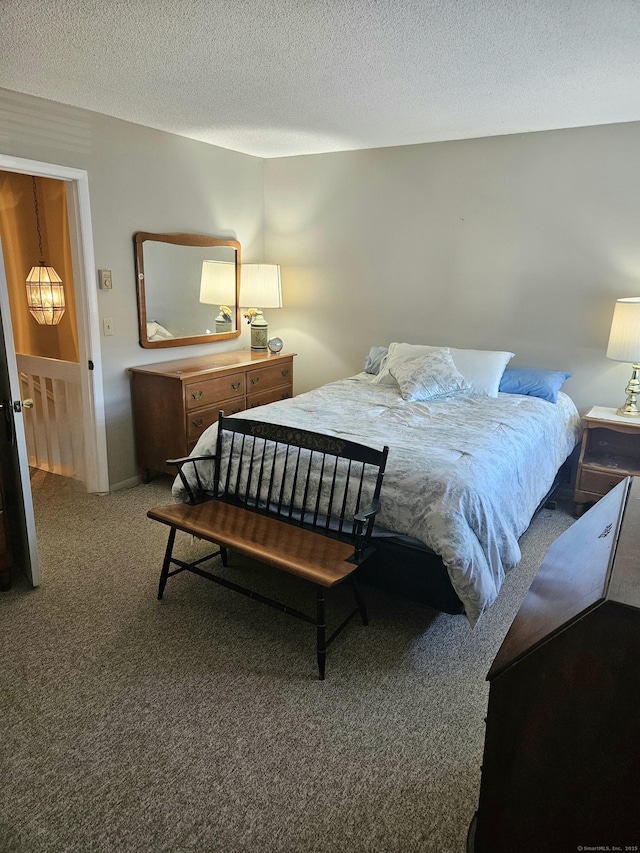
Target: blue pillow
{"points": [[533, 382], [374, 359]]}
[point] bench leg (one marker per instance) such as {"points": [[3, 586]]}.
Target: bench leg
{"points": [[164, 574], [223, 556], [321, 644], [359, 601]]}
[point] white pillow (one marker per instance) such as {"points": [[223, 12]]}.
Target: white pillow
{"points": [[156, 332], [428, 377], [482, 369], [399, 352]]}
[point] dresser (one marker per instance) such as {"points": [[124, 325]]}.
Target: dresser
{"points": [[562, 742], [175, 401], [610, 452]]}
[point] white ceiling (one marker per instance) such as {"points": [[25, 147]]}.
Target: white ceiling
{"points": [[283, 77]]}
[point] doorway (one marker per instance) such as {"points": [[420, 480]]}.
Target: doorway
{"points": [[34, 225], [90, 409]]}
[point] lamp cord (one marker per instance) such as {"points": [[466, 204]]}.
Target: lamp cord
{"points": [[35, 205]]}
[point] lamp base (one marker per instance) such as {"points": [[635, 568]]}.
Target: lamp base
{"points": [[628, 411], [259, 333], [630, 408]]}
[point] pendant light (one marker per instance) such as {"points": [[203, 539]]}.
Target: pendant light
{"points": [[45, 294]]}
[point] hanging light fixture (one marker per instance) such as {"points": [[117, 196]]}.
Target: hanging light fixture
{"points": [[45, 294]]}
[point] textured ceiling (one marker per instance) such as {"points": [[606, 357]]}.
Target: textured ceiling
{"points": [[283, 77]]}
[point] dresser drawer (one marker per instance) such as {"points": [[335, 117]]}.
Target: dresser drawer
{"points": [[269, 377], [200, 419], [271, 395], [198, 394], [598, 482]]}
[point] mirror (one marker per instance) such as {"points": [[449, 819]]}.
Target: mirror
{"points": [[183, 283]]}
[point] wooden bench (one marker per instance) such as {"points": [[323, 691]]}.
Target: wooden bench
{"points": [[296, 500]]}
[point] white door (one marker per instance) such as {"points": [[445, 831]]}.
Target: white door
{"points": [[16, 485]]}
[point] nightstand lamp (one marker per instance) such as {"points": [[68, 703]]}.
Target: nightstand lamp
{"points": [[260, 285], [624, 345], [218, 287]]}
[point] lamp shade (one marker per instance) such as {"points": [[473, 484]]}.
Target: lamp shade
{"points": [[218, 283], [260, 286], [624, 338]]}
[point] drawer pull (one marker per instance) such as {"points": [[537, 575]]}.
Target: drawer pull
{"points": [[197, 394], [285, 371], [235, 385], [285, 396], [255, 380], [197, 422]]}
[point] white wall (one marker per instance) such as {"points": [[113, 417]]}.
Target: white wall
{"points": [[139, 180], [516, 242]]}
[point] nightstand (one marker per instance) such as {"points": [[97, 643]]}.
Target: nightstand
{"points": [[610, 452]]}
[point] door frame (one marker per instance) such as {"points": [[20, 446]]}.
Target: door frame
{"points": [[86, 299]]}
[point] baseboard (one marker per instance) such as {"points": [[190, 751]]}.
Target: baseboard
{"points": [[125, 484]]}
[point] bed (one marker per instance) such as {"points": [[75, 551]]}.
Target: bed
{"points": [[465, 474]]}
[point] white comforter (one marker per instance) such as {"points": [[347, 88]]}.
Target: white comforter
{"points": [[464, 474]]}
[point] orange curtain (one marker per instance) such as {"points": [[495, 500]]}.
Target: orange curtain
{"points": [[21, 251]]}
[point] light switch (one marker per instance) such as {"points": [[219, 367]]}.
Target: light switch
{"points": [[105, 281], [107, 326]]}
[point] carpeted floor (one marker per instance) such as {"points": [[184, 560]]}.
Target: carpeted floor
{"points": [[198, 723]]}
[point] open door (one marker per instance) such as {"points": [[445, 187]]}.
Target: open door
{"points": [[14, 465], [96, 477]]}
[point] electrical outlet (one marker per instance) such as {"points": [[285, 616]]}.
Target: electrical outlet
{"points": [[105, 281], [107, 326]]}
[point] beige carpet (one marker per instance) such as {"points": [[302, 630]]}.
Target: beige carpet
{"points": [[198, 723]]}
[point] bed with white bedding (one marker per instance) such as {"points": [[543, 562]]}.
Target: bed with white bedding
{"points": [[465, 472]]}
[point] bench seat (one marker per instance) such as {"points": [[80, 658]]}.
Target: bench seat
{"points": [[312, 556]]}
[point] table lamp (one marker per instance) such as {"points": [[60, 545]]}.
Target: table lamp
{"points": [[259, 285], [218, 287], [624, 345]]}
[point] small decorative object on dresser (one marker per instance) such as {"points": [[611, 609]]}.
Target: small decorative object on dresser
{"points": [[610, 452], [175, 401], [275, 344]]}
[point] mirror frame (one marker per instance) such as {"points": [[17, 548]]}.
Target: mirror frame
{"points": [[179, 239]]}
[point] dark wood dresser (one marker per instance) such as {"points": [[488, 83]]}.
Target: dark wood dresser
{"points": [[561, 764], [175, 401]]}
